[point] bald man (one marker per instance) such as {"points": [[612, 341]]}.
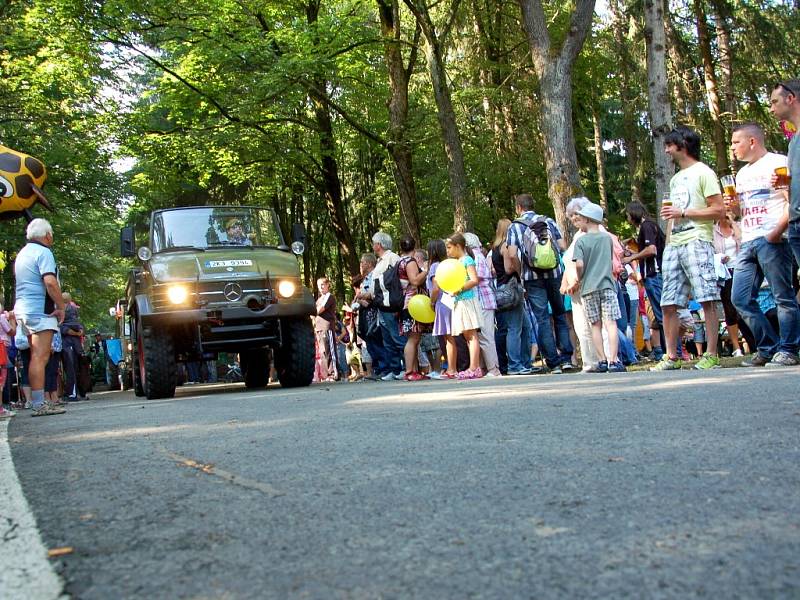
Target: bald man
{"points": [[765, 251]]}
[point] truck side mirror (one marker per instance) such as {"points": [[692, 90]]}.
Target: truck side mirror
{"points": [[127, 242], [298, 232]]}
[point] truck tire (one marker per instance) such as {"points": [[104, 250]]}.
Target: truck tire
{"points": [[255, 368], [294, 360], [156, 358], [113, 376], [138, 390]]}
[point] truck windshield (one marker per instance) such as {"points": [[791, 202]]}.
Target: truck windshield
{"points": [[214, 227]]}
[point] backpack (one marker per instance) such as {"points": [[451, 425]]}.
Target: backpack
{"points": [[388, 290], [538, 248]]}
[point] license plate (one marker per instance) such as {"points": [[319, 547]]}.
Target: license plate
{"points": [[229, 263]]}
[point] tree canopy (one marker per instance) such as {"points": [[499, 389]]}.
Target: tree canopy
{"points": [[354, 116]]}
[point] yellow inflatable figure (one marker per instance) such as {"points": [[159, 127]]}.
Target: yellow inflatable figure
{"points": [[21, 180]]}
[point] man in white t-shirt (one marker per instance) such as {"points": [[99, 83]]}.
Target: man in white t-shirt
{"points": [[764, 251]]}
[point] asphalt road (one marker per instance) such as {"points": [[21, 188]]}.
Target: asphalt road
{"points": [[639, 485]]}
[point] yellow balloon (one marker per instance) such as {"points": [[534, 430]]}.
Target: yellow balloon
{"points": [[419, 307], [451, 275]]}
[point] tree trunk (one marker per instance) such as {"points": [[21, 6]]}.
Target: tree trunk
{"points": [[554, 70], [682, 95], [462, 219], [658, 94], [599, 156], [399, 148], [331, 183], [722, 17], [712, 94], [628, 101]]}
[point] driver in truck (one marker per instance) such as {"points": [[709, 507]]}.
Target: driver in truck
{"points": [[235, 231]]}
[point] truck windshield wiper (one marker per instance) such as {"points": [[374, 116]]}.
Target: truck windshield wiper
{"points": [[180, 249]]}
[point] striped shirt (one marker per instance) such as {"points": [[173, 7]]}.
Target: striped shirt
{"points": [[514, 237], [486, 286]]}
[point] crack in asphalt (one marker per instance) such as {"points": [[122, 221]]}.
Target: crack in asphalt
{"points": [[227, 476]]}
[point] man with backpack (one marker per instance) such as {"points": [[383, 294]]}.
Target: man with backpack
{"points": [[539, 245], [385, 280]]}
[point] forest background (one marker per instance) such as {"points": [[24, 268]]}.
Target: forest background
{"points": [[354, 116]]}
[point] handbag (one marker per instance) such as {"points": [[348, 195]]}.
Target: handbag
{"points": [[508, 295]]}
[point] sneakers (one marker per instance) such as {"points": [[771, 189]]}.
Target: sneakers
{"points": [[556, 370], [6, 414], [48, 409], [755, 361], [708, 361], [668, 364], [568, 366], [783, 359], [737, 353], [522, 371], [388, 377], [616, 367], [600, 367], [400, 376]]}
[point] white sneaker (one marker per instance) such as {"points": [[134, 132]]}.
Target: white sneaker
{"points": [[435, 375], [400, 376], [6, 414], [737, 353], [388, 377]]}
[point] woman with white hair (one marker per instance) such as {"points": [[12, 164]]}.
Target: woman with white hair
{"points": [[488, 305]]}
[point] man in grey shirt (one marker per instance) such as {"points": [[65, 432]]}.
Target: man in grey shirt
{"points": [[784, 104]]}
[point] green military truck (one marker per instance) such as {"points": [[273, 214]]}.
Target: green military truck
{"points": [[213, 279]]}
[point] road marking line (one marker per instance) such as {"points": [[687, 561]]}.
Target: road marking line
{"points": [[26, 572]]}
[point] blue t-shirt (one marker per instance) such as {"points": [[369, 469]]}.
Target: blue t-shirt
{"points": [[467, 261], [33, 262]]}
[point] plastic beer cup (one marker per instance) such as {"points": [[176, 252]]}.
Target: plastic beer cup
{"points": [[783, 179]]}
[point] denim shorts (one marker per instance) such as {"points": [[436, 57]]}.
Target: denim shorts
{"points": [[31, 324]]}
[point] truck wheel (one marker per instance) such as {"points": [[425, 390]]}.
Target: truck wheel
{"points": [[136, 379], [255, 367], [113, 376], [294, 360], [156, 359]]}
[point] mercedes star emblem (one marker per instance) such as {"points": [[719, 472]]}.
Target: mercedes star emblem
{"points": [[232, 292]]}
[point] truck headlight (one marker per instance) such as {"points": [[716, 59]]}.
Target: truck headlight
{"points": [[177, 294], [298, 248], [286, 289]]}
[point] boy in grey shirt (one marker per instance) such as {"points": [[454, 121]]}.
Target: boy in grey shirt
{"points": [[593, 260]]}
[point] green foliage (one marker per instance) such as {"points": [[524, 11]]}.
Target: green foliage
{"points": [[216, 101]]}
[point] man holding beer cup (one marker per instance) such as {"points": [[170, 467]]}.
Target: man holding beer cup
{"points": [[784, 104], [688, 262], [764, 251]]}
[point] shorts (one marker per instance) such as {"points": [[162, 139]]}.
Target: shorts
{"points": [[689, 268], [601, 305], [31, 324]]}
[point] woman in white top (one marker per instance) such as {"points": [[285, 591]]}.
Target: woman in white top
{"points": [[727, 240]]}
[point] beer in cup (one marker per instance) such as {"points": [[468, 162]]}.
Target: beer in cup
{"points": [[729, 188], [782, 178]]}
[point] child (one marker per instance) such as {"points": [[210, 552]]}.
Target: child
{"points": [[466, 318], [593, 261]]}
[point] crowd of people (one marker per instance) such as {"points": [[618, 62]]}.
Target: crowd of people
{"points": [[600, 301], [43, 334]]}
